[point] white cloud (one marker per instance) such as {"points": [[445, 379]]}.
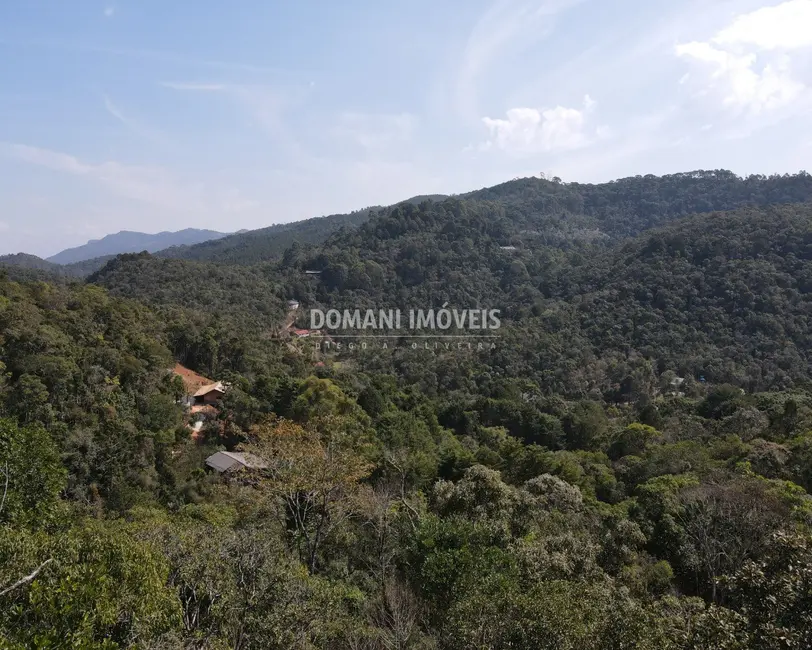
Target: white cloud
{"points": [[109, 11], [741, 84], [533, 130], [784, 26], [4, 227], [748, 63]]}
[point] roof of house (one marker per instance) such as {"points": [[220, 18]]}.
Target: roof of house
{"points": [[205, 390], [223, 461], [192, 381], [301, 332]]}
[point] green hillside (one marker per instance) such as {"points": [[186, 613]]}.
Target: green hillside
{"points": [[619, 209], [255, 246], [629, 465], [628, 206]]}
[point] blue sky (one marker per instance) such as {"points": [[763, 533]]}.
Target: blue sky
{"points": [[148, 115]]}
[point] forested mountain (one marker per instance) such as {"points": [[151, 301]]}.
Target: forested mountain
{"points": [[618, 209], [133, 242], [723, 295], [457, 249], [629, 465], [265, 244], [92, 371], [85, 267], [213, 288], [628, 206], [24, 266], [255, 246], [25, 261]]}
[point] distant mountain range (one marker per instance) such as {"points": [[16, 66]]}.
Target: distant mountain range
{"points": [[538, 211], [133, 242]]}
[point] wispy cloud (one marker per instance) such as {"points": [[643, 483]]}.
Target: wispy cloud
{"points": [[508, 25], [151, 185], [113, 110], [46, 158], [264, 105], [109, 11], [162, 56], [134, 126], [195, 87], [375, 132], [154, 186]]}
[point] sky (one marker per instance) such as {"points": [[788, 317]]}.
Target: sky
{"points": [[150, 115]]}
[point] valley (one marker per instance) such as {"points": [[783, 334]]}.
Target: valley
{"points": [[628, 466]]}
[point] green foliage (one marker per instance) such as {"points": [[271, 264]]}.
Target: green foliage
{"points": [[633, 440], [31, 475], [550, 615], [774, 593], [628, 467], [99, 589]]}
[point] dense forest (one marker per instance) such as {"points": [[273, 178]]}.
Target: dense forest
{"points": [[629, 465]]}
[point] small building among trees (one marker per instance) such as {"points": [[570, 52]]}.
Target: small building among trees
{"points": [[200, 397], [230, 461], [210, 394]]}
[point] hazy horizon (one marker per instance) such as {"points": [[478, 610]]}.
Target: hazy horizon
{"points": [[149, 117]]}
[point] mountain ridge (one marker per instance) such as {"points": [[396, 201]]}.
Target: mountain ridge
{"points": [[130, 241], [259, 245], [620, 208], [617, 209]]}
